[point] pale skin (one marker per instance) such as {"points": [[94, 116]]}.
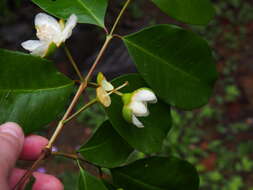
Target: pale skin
{"points": [[15, 146]]}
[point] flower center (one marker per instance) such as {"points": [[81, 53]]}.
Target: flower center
{"points": [[45, 32]]}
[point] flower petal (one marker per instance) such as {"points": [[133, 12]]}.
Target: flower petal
{"points": [[139, 109], [137, 122], [103, 97], [107, 85], [48, 28], [100, 77], [101, 80], [67, 31], [41, 50], [145, 95], [31, 45]]}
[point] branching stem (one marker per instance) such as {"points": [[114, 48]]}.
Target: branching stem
{"points": [[107, 41], [73, 157], [66, 115], [119, 16], [116, 90], [68, 155], [90, 103], [83, 85]]}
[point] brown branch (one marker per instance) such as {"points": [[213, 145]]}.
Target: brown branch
{"points": [[47, 151]]}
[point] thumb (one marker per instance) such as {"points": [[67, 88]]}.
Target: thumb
{"points": [[11, 143]]}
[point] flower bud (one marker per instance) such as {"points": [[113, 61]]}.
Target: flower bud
{"points": [[135, 105], [103, 87]]}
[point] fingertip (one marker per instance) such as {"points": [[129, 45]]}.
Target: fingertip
{"points": [[33, 145], [11, 143], [43, 181], [13, 129], [47, 182], [16, 174]]}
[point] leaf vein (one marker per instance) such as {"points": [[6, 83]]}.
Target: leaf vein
{"points": [[163, 61], [140, 182], [91, 13]]}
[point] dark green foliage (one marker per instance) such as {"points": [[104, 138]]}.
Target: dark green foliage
{"points": [[198, 12], [89, 182], [176, 63], [157, 173], [87, 11], [106, 148], [150, 138], [32, 91]]}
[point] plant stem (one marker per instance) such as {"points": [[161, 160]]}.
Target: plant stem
{"points": [[90, 103], [118, 88], [119, 16], [66, 115], [73, 157], [47, 151], [107, 41], [29, 172], [72, 62], [93, 84], [67, 155]]}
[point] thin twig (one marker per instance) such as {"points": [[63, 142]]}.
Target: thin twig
{"points": [[107, 41], [90, 103], [93, 85], [116, 90], [73, 157], [68, 155], [117, 36], [82, 87], [72, 62], [119, 16], [66, 115], [29, 172]]}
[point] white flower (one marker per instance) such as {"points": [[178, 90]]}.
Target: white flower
{"points": [[135, 105], [50, 32], [104, 87]]}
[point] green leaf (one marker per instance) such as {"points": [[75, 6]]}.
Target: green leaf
{"points": [[176, 63], [32, 91], [29, 185], [157, 173], [89, 182], [106, 147], [198, 12], [150, 138], [87, 11]]}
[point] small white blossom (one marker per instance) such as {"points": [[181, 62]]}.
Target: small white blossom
{"points": [[103, 87], [50, 33], [135, 105]]}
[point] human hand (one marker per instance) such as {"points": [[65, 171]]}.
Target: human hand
{"points": [[14, 146]]}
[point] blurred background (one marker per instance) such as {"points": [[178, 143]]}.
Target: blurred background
{"points": [[217, 139]]}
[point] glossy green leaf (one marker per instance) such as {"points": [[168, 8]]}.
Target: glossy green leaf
{"points": [[176, 63], [87, 11], [32, 91], [198, 12], [106, 147], [88, 182], [150, 138], [157, 173]]}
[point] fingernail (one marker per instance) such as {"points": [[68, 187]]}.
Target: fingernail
{"points": [[11, 129]]}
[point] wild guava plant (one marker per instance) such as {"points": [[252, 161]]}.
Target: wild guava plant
{"points": [[175, 69]]}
